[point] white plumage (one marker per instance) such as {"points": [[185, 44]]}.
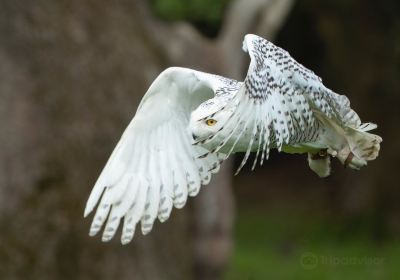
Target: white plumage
{"points": [[188, 122]]}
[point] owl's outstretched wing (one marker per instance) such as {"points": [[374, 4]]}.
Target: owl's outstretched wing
{"points": [[278, 69], [276, 105], [154, 166]]}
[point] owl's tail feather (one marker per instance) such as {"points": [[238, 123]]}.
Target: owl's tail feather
{"points": [[362, 146]]}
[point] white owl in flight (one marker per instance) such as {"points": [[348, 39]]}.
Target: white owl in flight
{"points": [[188, 122]]}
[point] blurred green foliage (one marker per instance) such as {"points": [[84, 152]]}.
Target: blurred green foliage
{"points": [[206, 15], [284, 243]]}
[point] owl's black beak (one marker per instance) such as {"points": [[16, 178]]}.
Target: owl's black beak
{"points": [[195, 136]]}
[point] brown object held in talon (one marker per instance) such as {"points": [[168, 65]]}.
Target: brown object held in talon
{"points": [[348, 159]]}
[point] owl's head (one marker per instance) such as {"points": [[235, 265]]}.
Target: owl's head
{"points": [[208, 118]]}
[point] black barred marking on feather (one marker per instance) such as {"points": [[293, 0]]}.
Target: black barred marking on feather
{"points": [[146, 217], [114, 219], [211, 169], [147, 226], [164, 211], [179, 195], [180, 204], [203, 155], [109, 229], [162, 200], [193, 192]]}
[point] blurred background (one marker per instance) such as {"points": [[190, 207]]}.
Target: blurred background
{"points": [[71, 76]]}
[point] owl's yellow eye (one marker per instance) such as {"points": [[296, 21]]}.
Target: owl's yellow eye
{"points": [[211, 122]]}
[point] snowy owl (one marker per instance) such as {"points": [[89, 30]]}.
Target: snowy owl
{"points": [[189, 122]]}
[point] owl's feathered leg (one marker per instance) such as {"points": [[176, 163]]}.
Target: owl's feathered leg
{"points": [[320, 163], [362, 147], [353, 146]]}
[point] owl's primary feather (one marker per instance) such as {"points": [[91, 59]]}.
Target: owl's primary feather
{"points": [[188, 122]]}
